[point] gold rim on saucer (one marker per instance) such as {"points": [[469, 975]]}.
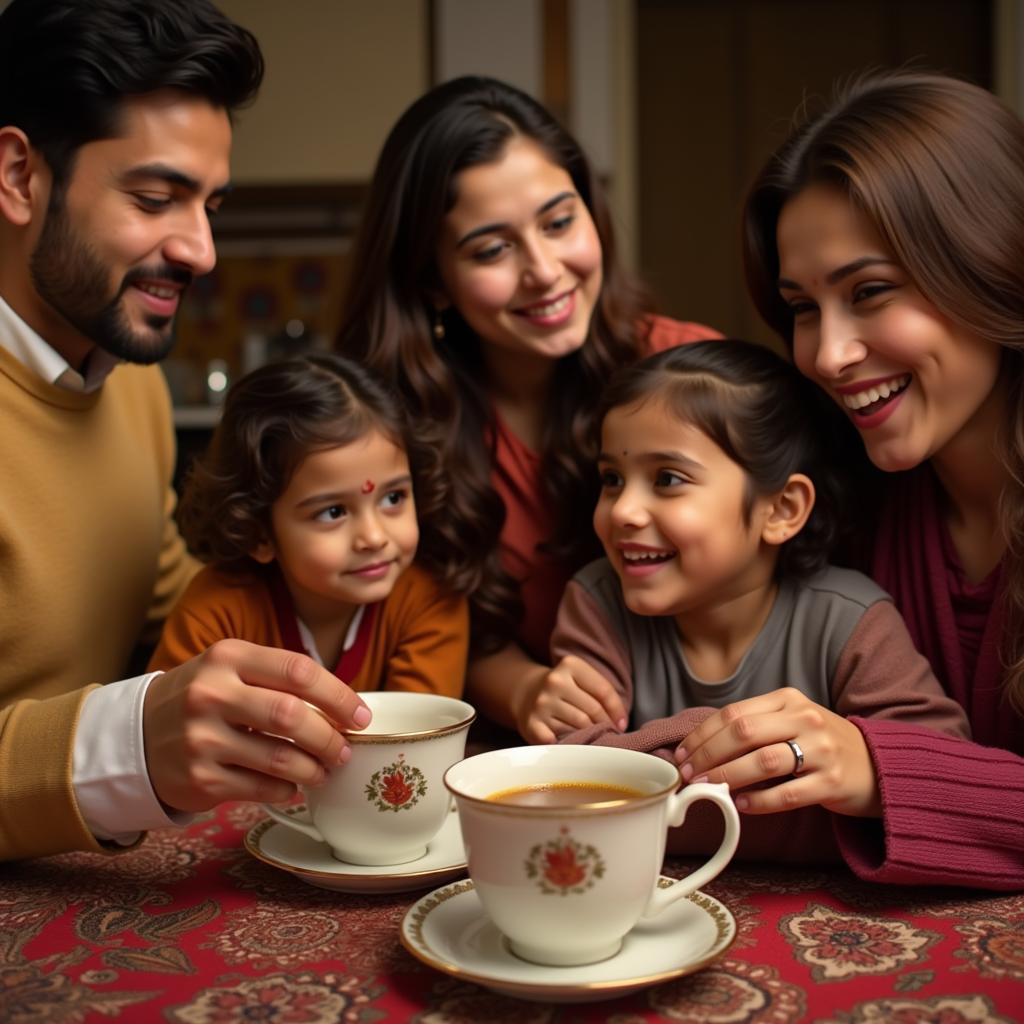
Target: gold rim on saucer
{"points": [[552, 986], [383, 878]]}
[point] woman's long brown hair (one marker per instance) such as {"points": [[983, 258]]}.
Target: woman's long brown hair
{"points": [[388, 319], [937, 166]]}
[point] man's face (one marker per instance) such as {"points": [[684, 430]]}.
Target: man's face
{"points": [[130, 230]]}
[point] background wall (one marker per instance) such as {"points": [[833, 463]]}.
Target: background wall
{"points": [[338, 73]]}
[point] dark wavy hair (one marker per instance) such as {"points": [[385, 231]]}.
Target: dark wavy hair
{"points": [[66, 66], [387, 324], [273, 418], [763, 414], [937, 167]]}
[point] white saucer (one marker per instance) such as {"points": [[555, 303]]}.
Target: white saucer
{"points": [[448, 930], [313, 862]]}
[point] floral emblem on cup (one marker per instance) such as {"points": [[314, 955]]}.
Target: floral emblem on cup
{"points": [[563, 865], [397, 787]]}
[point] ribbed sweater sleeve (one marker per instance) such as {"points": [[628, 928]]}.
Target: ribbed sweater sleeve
{"points": [[953, 812], [38, 812]]}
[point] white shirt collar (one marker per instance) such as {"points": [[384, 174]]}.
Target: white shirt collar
{"points": [[32, 352], [306, 635]]}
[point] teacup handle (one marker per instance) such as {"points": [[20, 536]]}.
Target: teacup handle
{"points": [[718, 793], [304, 825]]}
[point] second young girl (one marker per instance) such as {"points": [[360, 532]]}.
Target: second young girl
{"points": [[304, 509], [717, 513]]}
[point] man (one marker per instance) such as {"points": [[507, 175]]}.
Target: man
{"points": [[115, 136]]}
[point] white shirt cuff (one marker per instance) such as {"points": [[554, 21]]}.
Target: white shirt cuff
{"points": [[108, 768]]}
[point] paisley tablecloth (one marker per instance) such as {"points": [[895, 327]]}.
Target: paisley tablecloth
{"points": [[188, 927]]}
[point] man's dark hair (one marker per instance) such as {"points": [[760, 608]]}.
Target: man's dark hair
{"points": [[66, 66]]}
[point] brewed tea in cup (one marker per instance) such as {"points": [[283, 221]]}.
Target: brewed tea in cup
{"points": [[565, 843], [385, 805]]}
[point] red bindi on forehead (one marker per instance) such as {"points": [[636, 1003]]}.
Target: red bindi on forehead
{"points": [[368, 487]]}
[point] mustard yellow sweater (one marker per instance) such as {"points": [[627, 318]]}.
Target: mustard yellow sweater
{"points": [[90, 563]]}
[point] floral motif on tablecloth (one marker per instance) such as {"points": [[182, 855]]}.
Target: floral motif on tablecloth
{"points": [[838, 946], [361, 937], [21, 910], [305, 998], [39, 990], [164, 857], [730, 992], [267, 936], [459, 1002], [995, 948], [369, 942], [972, 1009]]}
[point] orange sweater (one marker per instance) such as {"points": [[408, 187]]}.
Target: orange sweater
{"points": [[418, 641]]}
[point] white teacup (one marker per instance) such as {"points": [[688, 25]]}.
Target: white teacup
{"points": [[389, 800], [564, 884]]}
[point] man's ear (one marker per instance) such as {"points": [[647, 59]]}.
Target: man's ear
{"points": [[789, 510], [23, 172]]}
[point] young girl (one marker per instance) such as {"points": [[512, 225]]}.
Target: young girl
{"points": [[718, 508], [303, 507], [884, 242], [488, 292]]}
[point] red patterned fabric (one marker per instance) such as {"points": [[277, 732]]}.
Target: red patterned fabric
{"points": [[188, 927]]}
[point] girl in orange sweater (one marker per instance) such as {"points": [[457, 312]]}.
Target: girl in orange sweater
{"points": [[304, 509]]}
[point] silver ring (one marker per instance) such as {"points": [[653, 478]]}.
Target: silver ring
{"points": [[798, 754]]}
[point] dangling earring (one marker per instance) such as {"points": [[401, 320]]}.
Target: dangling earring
{"points": [[438, 326]]}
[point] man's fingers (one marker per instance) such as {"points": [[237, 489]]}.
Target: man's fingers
{"points": [[233, 783], [284, 680], [274, 758]]}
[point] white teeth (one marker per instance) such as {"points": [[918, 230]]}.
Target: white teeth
{"points": [[551, 309], [160, 293], [643, 556], [873, 394]]}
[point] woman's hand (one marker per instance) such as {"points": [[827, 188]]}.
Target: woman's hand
{"points": [[571, 696], [745, 744]]}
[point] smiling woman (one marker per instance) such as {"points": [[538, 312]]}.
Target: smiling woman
{"points": [[488, 291], [884, 240]]}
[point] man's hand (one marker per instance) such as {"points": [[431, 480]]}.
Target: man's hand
{"points": [[571, 696], [235, 723]]}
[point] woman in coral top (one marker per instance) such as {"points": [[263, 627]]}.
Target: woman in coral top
{"points": [[885, 243], [486, 289]]}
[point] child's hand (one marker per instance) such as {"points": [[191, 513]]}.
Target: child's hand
{"points": [[571, 696]]}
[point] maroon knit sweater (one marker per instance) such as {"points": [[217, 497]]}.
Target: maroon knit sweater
{"points": [[953, 811]]}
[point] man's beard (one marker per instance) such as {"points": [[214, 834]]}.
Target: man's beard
{"points": [[70, 277]]}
